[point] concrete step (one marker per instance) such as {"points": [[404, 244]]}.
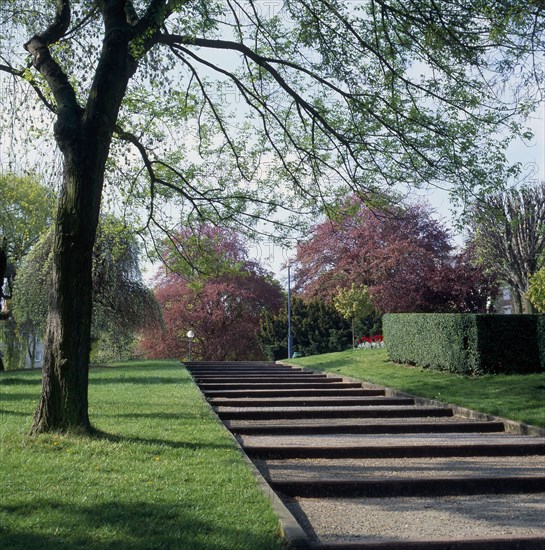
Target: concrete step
{"points": [[248, 370], [394, 451], [310, 402], [393, 468], [376, 428], [332, 383], [408, 468], [361, 412], [473, 543], [240, 373], [380, 488], [274, 379], [322, 391], [228, 364]]}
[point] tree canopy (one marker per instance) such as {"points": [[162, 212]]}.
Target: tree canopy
{"points": [[402, 255], [223, 304], [328, 96], [508, 232], [26, 209]]}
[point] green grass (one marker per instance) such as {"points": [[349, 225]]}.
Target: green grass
{"points": [[517, 397], [164, 474]]}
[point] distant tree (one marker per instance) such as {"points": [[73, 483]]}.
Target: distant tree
{"points": [[455, 285], [121, 302], [353, 303], [403, 255], [508, 232], [214, 289], [317, 327], [26, 209], [536, 290]]}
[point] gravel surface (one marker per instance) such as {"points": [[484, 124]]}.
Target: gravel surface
{"points": [[329, 520], [409, 468], [233, 424], [387, 440]]}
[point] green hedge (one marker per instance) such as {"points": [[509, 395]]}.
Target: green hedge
{"points": [[467, 343]]}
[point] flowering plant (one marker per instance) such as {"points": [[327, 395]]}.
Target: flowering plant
{"points": [[376, 341]]}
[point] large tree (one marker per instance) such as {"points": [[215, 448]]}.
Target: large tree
{"points": [[212, 288], [402, 254], [365, 93], [508, 232]]}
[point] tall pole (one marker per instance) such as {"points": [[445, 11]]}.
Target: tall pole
{"points": [[289, 313], [190, 335]]}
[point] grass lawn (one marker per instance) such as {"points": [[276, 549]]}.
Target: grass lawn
{"points": [[517, 397], [164, 474]]}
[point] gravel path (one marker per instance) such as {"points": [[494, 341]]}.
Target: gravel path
{"points": [[354, 469], [329, 520], [358, 440], [514, 517]]}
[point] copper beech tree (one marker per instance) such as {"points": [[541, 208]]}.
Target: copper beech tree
{"points": [[402, 256], [327, 96], [215, 290]]}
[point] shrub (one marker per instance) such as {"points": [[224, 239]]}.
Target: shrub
{"points": [[467, 343]]}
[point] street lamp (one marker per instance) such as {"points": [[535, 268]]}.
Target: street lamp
{"points": [[190, 335], [289, 312]]}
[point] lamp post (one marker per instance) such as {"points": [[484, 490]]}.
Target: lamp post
{"points": [[190, 335], [289, 312]]}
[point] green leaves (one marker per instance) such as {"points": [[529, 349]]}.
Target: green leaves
{"points": [[353, 302], [26, 209]]}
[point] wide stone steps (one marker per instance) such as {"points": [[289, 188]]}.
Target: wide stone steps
{"points": [[296, 403], [362, 468], [332, 412], [253, 428], [322, 391]]}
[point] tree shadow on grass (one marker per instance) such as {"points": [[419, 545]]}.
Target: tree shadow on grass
{"points": [[139, 380], [157, 415], [157, 442], [14, 413], [20, 381], [130, 526]]}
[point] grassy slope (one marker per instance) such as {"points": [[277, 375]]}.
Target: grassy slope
{"points": [[165, 474], [520, 398]]}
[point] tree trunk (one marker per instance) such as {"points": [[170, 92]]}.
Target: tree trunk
{"points": [[84, 137], [63, 404], [527, 306]]}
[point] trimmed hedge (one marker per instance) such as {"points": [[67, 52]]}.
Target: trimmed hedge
{"points": [[467, 343]]}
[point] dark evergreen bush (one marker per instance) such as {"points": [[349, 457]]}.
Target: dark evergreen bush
{"points": [[467, 343], [316, 328]]}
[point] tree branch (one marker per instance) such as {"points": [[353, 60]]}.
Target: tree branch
{"points": [[38, 48], [174, 40]]}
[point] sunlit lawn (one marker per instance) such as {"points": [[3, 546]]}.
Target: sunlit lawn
{"points": [[520, 398], [165, 473]]}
